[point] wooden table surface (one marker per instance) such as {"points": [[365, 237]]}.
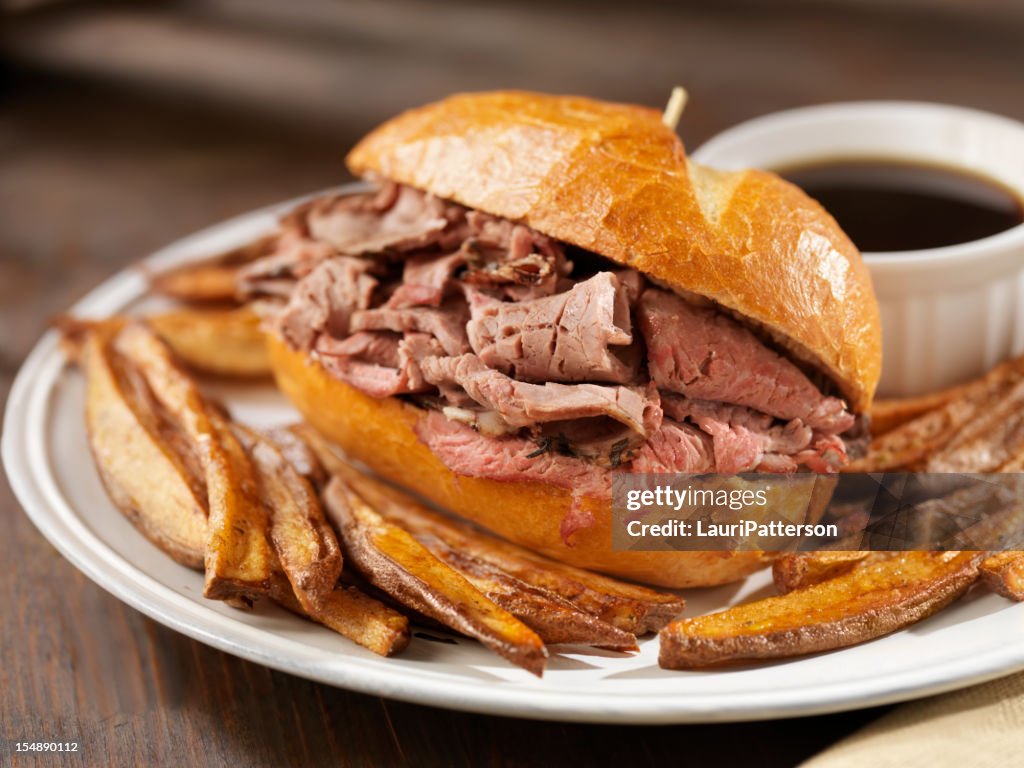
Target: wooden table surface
{"points": [[91, 178]]}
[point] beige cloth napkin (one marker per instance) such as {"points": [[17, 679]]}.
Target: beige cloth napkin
{"points": [[980, 727]]}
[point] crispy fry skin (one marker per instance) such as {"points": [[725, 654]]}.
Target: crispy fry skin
{"points": [[198, 283], [392, 560], [629, 607], [354, 615], [298, 453], [1003, 573], [888, 414], [1000, 504], [366, 621], [157, 474], [989, 441], [224, 342], [917, 440], [211, 280], [143, 475], [1016, 464], [76, 331], [553, 618], [795, 570], [870, 601], [305, 543], [238, 560]]}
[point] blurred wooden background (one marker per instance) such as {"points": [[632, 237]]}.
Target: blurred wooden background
{"points": [[350, 64], [126, 125]]}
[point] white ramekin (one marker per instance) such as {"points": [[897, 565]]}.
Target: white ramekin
{"points": [[947, 313]]}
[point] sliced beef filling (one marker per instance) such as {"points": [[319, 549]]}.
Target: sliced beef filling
{"points": [[529, 370], [583, 334], [512, 459], [395, 218], [523, 405], [446, 323], [704, 354], [746, 441], [425, 279], [676, 447], [379, 363], [294, 256], [517, 261], [323, 302]]}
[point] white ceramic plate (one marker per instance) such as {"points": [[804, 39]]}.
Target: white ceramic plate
{"points": [[47, 459]]}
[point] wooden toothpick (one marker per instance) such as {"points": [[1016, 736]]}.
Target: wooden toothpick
{"points": [[674, 108]]}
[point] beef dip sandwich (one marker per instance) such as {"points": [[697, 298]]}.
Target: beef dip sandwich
{"points": [[536, 292]]}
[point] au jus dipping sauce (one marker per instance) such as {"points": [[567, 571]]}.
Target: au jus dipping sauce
{"points": [[885, 205]]}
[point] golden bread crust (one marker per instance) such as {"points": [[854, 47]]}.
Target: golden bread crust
{"points": [[613, 179], [380, 434]]}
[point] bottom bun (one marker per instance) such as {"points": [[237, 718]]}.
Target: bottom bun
{"points": [[380, 434]]}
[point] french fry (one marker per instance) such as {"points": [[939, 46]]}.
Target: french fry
{"points": [[628, 607], [889, 413], [223, 342], [364, 620], [871, 600], [997, 507], [1003, 573], [144, 475], [1016, 464], [553, 618], [354, 615], [152, 472], [305, 543], [211, 280], [239, 561], [992, 439], [298, 453], [392, 560], [795, 570], [910, 444]]}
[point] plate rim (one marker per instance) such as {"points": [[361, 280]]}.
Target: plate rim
{"points": [[24, 454]]}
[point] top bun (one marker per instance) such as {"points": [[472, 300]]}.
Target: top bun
{"points": [[613, 179]]}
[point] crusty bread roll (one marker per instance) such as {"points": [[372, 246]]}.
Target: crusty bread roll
{"points": [[612, 179], [380, 433]]}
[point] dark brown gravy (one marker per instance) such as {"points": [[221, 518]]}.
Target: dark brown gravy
{"points": [[886, 205]]}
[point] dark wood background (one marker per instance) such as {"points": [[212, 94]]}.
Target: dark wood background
{"points": [[123, 127]]}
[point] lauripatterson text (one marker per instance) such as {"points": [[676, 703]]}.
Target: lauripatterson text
{"points": [[743, 528]]}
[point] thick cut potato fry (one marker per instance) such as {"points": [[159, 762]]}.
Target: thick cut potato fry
{"points": [[870, 601], [212, 280], [795, 570], [999, 505], [993, 438], [143, 474], [154, 473], [298, 453], [1003, 573], [198, 283], [629, 607], [553, 618], [393, 561], [912, 443], [366, 621], [305, 543], [238, 558], [354, 615], [1016, 464], [224, 342], [889, 413]]}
